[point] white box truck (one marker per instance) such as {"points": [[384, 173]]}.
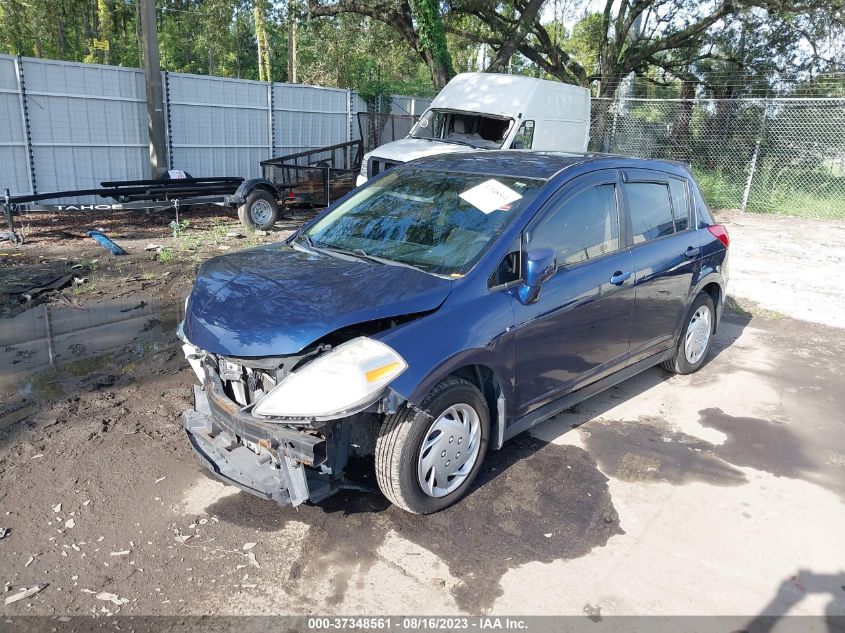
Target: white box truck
{"points": [[492, 111]]}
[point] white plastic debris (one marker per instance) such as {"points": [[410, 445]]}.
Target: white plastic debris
{"points": [[57, 508], [249, 546], [70, 523], [111, 597], [24, 593], [160, 479], [252, 560], [29, 562], [122, 552]]}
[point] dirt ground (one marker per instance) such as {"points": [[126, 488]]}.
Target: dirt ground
{"points": [[718, 493]]}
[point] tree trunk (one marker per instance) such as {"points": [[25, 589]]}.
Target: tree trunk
{"points": [[260, 17], [679, 139], [292, 11], [432, 41], [601, 113]]}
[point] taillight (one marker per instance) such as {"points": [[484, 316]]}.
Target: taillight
{"points": [[720, 233]]}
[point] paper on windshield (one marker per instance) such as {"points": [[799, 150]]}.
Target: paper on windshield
{"points": [[490, 195]]}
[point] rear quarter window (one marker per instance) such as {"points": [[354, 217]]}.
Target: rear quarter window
{"points": [[650, 208], [680, 203]]}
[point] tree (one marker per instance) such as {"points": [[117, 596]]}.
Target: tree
{"points": [[259, 13], [419, 22]]}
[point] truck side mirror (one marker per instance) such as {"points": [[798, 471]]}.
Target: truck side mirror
{"points": [[540, 264]]}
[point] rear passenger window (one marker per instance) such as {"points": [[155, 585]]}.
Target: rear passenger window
{"points": [[680, 203], [651, 210], [584, 227]]}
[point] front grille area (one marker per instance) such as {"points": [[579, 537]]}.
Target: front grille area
{"points": [[378, 165], [244, 385]]}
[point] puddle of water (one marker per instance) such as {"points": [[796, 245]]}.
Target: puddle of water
{"points": [[46, 349]]}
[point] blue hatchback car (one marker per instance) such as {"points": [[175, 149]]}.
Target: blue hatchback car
{"points": [[439, 310]]}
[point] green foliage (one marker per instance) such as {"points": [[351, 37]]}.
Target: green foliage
{"points": [[432, 33], [179, 228], [166, 256]]}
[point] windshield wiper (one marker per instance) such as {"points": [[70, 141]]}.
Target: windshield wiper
{"points": [[357, 253], [304, 238]]}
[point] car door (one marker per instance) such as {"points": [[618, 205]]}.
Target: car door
{"points": [[666, 256], [577, 331]]}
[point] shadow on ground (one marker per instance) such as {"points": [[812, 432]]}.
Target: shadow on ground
{"points": [[555, 505]]}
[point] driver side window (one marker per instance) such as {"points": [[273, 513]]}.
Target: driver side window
{"points": [[583, 227]]}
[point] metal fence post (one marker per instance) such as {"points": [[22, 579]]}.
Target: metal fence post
{"points": [[168, 124], [271, 122], [27, 137], [608, 147], [348, 115], [753, 166]]}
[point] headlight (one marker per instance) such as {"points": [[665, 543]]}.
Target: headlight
{"points": [[340, 382]]}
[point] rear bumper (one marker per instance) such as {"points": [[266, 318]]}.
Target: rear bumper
{"points": [[279, 471]]}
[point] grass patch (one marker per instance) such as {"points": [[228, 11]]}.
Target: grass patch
{"points": [[805, 193], [84, 289], [749, 309], [167, 256]]}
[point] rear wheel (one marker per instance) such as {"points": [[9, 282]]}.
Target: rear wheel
{"points": [[259, 211], [696, 337], [427, 459]]}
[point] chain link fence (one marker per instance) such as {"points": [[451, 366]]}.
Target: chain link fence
{"points": [[378, 128], [767, 154]]}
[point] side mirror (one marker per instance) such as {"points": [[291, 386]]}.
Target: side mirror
{"points": [[540, 264]]}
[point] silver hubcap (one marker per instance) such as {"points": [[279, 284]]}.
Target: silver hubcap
{"points": [[449, 451], [260, 211], [698, 335]]}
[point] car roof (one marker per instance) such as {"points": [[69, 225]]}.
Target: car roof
{"points": [[534, 164]]}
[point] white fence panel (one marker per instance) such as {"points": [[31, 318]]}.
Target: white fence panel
{"points": [[402, 104], [87, 124], [307, 117], [218, 126], [14, 161], [358, 104]]}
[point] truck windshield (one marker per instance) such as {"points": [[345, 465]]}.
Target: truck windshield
{"points": [[436, 221], [477, 130]]}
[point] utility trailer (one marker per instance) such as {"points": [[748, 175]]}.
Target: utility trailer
{"points": [[316, 177], [256, 199]]}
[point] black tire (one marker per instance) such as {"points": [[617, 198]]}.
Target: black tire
{"points": [[679, 364], [254, 213], [401, 437]]}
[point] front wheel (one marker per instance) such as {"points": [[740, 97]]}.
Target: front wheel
{"points": [[427, 459], [259, 211], [696, 337]]}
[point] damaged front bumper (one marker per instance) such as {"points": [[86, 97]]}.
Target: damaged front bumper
{"points": [[300, 460], [267, 460]]}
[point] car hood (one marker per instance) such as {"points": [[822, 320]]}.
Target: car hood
{"points": [[411, 148], [276, 300]]}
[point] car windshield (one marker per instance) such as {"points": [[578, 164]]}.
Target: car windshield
{"points": [[436, 221], [476, 130]]}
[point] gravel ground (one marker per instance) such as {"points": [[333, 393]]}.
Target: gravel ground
{"points": [[716, 493]]}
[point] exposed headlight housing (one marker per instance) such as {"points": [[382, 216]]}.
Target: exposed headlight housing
{"points": [[340, 382]]}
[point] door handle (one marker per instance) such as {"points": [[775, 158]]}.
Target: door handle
{"points": [[619, 278], [692, 252]]}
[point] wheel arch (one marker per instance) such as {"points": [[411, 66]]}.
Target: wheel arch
{"points": [[487, 382], [248, 186]]}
